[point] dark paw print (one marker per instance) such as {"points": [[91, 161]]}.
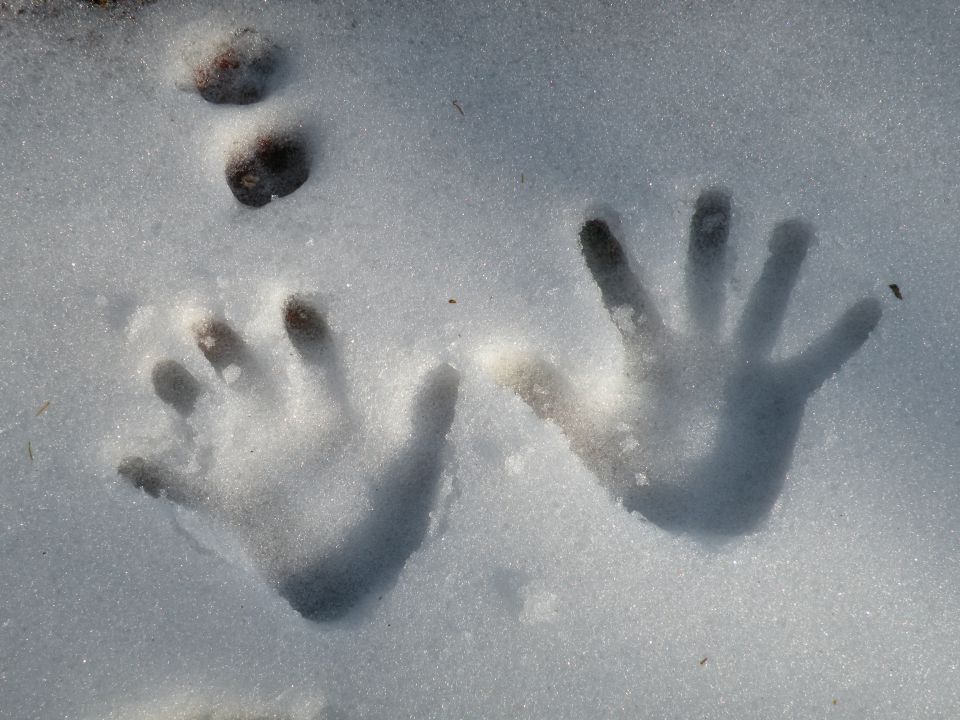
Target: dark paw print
{"points": [[706, 436], [272, 164], [321, 581], [236, 69]]}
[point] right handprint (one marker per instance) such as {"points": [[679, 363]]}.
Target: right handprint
{"points": [[706, 433]]}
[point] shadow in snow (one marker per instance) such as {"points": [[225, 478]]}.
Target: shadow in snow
{"points": [[374, 552], [733, 488]]}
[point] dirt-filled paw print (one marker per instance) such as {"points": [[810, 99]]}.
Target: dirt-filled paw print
{"points": [[271, 164], [706, 435], [236, 68], [249, 448]]}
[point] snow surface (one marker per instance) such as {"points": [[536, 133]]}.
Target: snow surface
{"points": [[456, 150]]}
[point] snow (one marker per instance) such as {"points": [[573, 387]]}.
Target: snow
{"points": [[455, 153]]}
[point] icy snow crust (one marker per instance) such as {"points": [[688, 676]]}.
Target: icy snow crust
{"points": [[455, 155]]}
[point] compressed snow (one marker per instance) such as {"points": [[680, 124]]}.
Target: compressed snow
{"points": [[455, 152]]}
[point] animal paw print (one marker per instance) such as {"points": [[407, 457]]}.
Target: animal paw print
{"points": [[235, 69], [270, 165], [251, 451], [272, 161], [705, 436]]}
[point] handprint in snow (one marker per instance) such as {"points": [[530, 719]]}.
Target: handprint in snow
{"points": [[265, 496], [706, 436]]}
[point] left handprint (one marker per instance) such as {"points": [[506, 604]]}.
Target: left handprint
{"points": [[256, 482]]}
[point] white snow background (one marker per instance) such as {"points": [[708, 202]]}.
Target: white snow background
{"points": [[534, 594]]}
